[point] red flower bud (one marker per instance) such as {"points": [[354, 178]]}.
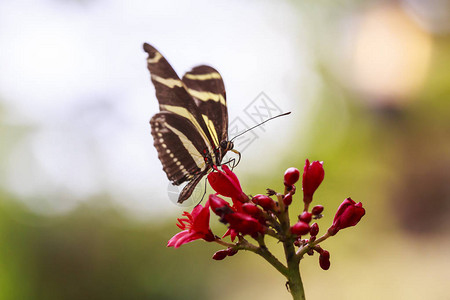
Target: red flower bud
{"points": [[313, 174], [348, 214], [264, 201], [324, 260], [305, 217], [244, 223], [221, 254], [231, 251], [287, 199], [291, 176], [300, 228], [219, 206], [314, 229], [251, 209], [226, 184], [317, 210]]}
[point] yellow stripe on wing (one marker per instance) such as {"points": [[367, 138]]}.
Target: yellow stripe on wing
{"points": [[211, 129], [181, 111], [196, 156], [205, 96], [169, 82], [155, 59], [213, 75]]}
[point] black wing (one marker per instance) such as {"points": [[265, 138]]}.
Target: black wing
{"points": [[180, 148], [206, 86], [185, 131], [172, 94]]}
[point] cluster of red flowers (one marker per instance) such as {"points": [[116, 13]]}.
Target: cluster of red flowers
{"points": [[261, 215]]}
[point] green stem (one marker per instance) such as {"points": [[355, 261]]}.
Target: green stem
{"points": [[269, 257], [261, 251], [293, 261], [294, 278], [311, 245]]}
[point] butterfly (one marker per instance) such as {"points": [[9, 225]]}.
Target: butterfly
{"points": [[190, 132]]}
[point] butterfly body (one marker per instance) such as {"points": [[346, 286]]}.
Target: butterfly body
{"points": [[191, 130]]}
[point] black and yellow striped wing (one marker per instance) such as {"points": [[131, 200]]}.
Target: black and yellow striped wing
{"points": [[192, 121], [206, 86]]}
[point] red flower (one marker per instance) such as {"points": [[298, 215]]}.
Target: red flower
{"points": [[227, 184], [244, 223], [313, 174], [232, 233], [237, 216], [348, 214], [195, 226]]}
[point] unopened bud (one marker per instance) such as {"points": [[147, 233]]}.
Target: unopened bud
{"points": [[219, 206], [317, 210], [305, 217], [251, 209], [324, 260], [314, 229], [231, 251], [300, 228], [264, 201], [221, 254], [313, 174], [287, 199], [291, 176]]}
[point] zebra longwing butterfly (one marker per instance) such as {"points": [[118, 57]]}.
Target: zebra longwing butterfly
{"points": [[191, 130]]}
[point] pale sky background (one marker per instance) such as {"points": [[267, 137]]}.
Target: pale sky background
{"points": [[75, 72]]}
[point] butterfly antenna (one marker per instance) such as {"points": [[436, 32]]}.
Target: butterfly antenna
{"points": [[280, 115]]}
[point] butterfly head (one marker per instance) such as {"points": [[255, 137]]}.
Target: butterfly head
{"points": [[226, 145]]}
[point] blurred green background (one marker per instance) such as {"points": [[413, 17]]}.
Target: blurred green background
{"points": [[84, 209]]}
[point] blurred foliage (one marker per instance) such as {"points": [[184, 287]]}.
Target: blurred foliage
{"points": [[94, 253]]}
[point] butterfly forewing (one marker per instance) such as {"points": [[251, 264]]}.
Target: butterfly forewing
{"points": [[171, 93], [205, 85]]}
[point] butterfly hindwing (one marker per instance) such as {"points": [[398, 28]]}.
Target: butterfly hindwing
{"points": [[189, 188], [179, 146]]}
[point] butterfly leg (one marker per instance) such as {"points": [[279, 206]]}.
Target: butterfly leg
{"points": [[239, 155], [204, 193]]}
